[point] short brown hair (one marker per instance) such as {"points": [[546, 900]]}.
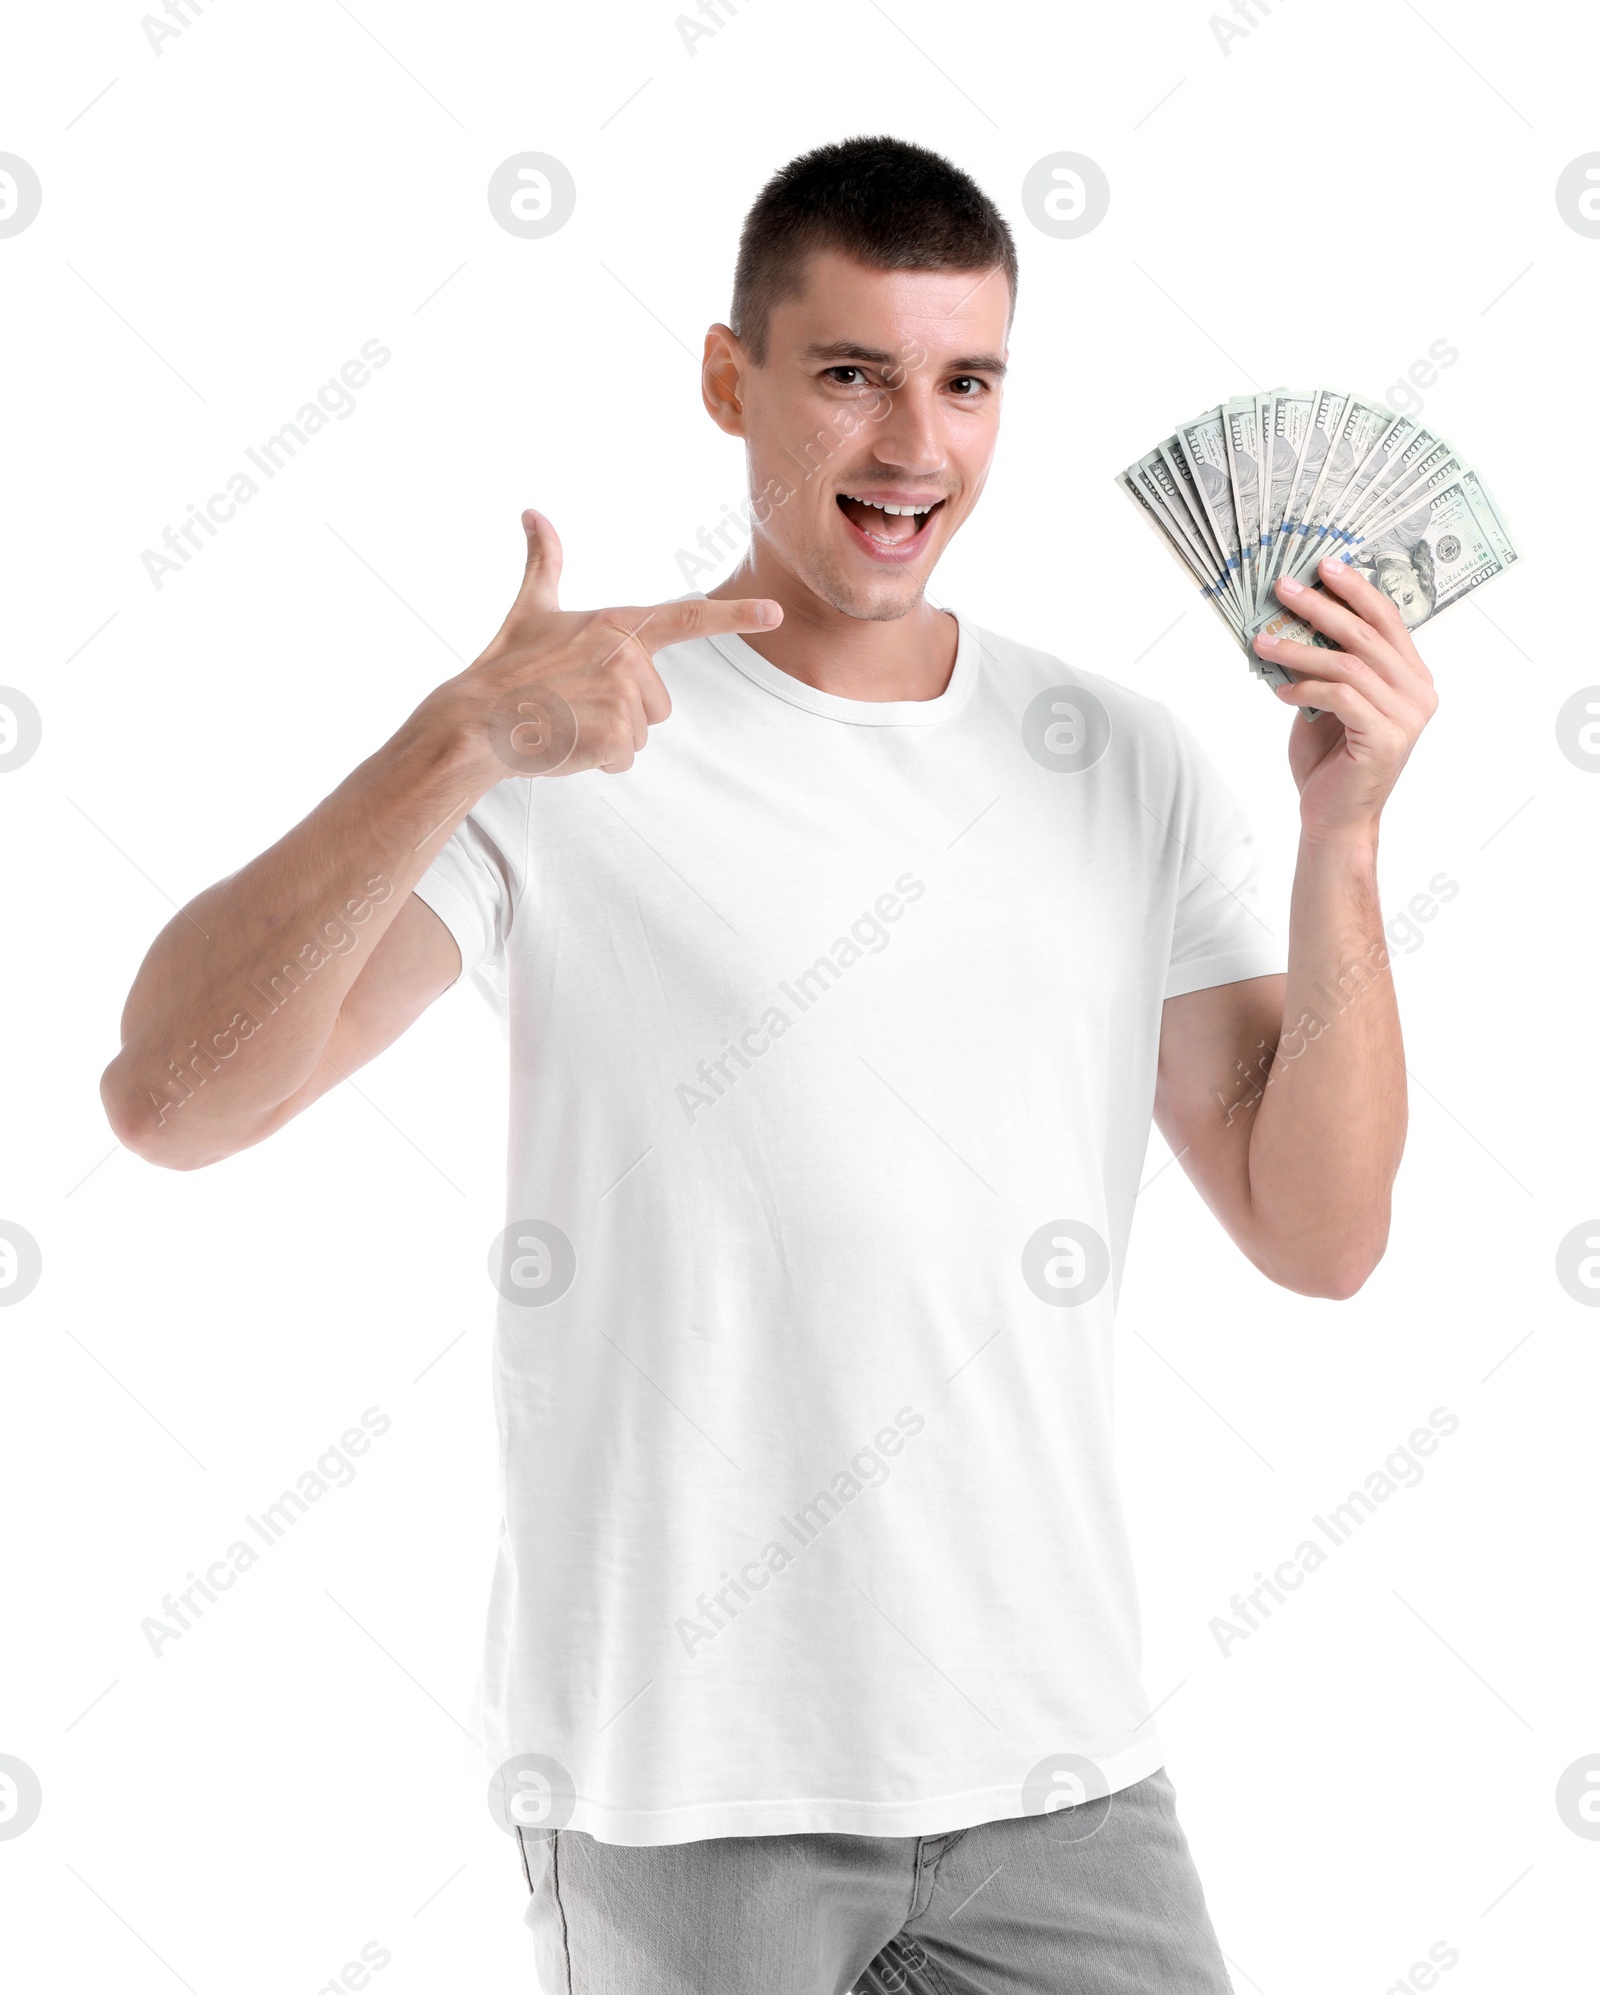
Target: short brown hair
{"points": [[891, 205]]}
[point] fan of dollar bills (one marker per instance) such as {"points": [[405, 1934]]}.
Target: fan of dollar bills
{"points": [[1268, 485]]}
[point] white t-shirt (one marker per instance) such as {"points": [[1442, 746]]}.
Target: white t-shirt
{"points": [[832, 1032]]}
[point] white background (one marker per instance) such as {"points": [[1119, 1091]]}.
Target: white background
{"points": [[1373, 1770]]}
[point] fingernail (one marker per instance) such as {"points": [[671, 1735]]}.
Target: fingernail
{"points": [[1332, 565], [768, 613], [1267, 643], [1288, 588]]}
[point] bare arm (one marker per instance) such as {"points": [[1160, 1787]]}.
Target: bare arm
{"points": [[273, 984], [269, 986], [1286, 1096]]}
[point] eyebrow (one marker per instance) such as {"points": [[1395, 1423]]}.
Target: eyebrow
{"points": [[838, 350]]}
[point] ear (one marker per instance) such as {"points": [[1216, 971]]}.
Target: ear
{"points": [[724, 368]]}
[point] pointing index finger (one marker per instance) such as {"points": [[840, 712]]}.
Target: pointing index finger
{"points": [[662, 624]]}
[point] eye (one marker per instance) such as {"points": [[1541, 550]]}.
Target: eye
{"points": [[836, 374], [968, 387]]}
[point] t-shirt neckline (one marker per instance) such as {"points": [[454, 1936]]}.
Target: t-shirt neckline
{"points": [[860, 713]]}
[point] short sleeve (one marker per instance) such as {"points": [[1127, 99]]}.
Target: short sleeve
{"points": [[1219, 933], [472, 887]]}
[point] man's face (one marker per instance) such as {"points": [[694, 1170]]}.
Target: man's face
{"points": [[880, 389]]}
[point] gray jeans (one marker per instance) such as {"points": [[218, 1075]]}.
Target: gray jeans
{"points": [[1102, 1899]]}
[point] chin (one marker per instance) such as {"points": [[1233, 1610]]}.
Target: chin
{"points": [[877, 600]]}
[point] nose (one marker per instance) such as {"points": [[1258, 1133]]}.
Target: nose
{"points": [[909, 436]]}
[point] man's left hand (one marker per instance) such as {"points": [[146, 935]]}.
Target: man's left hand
{"points": [[1375, 693]]}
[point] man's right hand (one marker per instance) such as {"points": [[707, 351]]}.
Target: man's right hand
{"points": [[266, 990], [559, 691]]}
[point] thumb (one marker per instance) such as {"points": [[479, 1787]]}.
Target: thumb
{"points": [[543, 571]]}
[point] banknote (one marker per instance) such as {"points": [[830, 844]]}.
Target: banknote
{"points": [[1287, 418], [1203, 447], [1322, 420], [1262, 487], [1389, 440], [1360, 428], [1241, 421], [1407, 451], [1426, 559], [1155, 483], [1139, 494], [1180, 473]]}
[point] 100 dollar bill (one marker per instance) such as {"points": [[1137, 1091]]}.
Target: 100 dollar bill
{"points": [[1424, 560]]}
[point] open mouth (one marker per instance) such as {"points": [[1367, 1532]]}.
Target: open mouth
{"points": [[887, 531]]}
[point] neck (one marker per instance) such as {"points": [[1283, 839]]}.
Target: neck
{"points": [[908, 657]]}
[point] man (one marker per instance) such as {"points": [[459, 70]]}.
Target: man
{"points": [[836, 1021]]}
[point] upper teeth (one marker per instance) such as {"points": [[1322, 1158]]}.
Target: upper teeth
{"points": [[890, 509]]}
